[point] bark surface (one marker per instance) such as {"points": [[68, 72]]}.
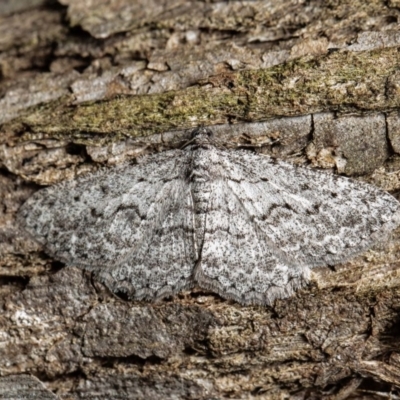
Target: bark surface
{"points": [[89, 84]]}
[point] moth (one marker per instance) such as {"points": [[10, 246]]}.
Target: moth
{"points": [[244, 225]]}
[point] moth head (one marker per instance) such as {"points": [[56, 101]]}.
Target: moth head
{"points": [[202, 133], [201, 136]]}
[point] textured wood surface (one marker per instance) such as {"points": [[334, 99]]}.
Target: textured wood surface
{"points": [[85, 84]]}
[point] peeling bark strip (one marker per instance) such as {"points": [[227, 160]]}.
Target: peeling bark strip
{"points": [[352, 145], [24, 387], [357, 81], [84, 82]]}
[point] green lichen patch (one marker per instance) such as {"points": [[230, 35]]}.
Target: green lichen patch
{"points": [[346, 82]]}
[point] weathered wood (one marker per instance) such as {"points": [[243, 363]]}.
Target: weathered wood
{"points": [[85, 84]]}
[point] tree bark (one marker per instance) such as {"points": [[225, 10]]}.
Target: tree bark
{"points": [[86, 84]]}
